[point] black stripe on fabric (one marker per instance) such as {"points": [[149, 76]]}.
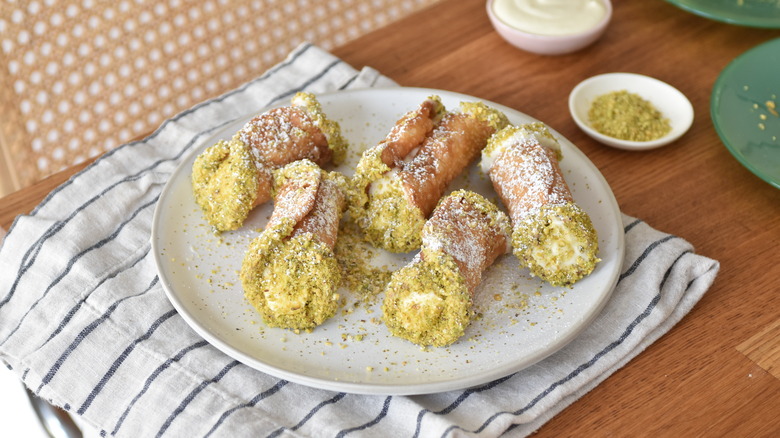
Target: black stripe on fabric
{"points": [[349, 82], [32, 253], [466, 394], [333, 400], [153, 376], [59, 224], [308, 82], [118, 362], [606, 350], [194, 393], [375, 421], [452, 406], [631, 225], [634, 266], [86, 332], [76, 257], [72, 312], [255, 400]]}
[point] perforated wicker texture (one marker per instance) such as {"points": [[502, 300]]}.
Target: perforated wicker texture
{"points": [[80, 77]]}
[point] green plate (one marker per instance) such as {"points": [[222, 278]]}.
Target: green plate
{"points": [[745, 109], [754, 13]]}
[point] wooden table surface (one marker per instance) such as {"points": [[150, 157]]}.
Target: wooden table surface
{"points": [[717, 373]]}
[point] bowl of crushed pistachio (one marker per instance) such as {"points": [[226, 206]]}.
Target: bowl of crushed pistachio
{"points": [[630, 111]]}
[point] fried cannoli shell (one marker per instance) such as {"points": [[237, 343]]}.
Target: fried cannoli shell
{"points": [[296, 188], [391, 204], [232, 177], [283, 135], [311, 198], [323, 219], [290, 273], [291, 133], [430, 301], [409, 132], [527, 176], [455, 143], [469, 229], [376, 199], [552, 235]]}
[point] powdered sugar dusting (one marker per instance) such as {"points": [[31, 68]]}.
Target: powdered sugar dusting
{"points": [[312, 198], [283, 135], [452, 145], [323, 220], [296, 188], [526, 175], [472, 230]]}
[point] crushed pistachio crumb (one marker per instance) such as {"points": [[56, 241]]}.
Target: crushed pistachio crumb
{"points": [[364, 280], [291, 282], [627, 116], [559, 244], [427, 302], [387, 218], [771, 107], [225, 182]]}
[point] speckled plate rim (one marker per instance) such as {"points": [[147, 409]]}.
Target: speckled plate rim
{"points": [[736, 15], [724, 80], [498, 347]]}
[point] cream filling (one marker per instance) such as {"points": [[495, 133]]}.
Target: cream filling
{"points": [[284, 306], [562, 252], [427, 306], [518, 137], [385, 182], [551, 17]]}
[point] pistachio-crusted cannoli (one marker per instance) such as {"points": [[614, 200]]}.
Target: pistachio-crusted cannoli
{"points": [[290, 273], [398, 183], [233, 176], [552, 236], [430, 301]]}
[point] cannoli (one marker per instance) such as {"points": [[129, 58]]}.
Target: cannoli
{"points": [[552, 236], [290, 274], [430, 301], [233, 176], [398, 182]]}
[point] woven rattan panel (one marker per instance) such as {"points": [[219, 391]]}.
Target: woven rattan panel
{"points": [[80, 77]]}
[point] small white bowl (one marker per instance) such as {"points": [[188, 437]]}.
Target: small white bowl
{"points": [[667, 99], [549, 44]]}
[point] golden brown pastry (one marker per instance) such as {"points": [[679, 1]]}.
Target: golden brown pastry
{"points": [[232, 177], [552, 236], [430, 301], [398, 183], [290, 273]]}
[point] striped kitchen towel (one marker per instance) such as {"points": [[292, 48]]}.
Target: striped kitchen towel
{"points": [[85, 322]]}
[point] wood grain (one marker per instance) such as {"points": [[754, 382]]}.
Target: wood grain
{"points": [[764, 349], [715, 373]]}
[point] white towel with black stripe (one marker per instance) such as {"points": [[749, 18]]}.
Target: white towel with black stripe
{"points": [[85, 323]]}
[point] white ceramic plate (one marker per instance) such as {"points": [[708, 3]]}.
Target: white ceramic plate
{"points": [[667, 99], [523, 320]]}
